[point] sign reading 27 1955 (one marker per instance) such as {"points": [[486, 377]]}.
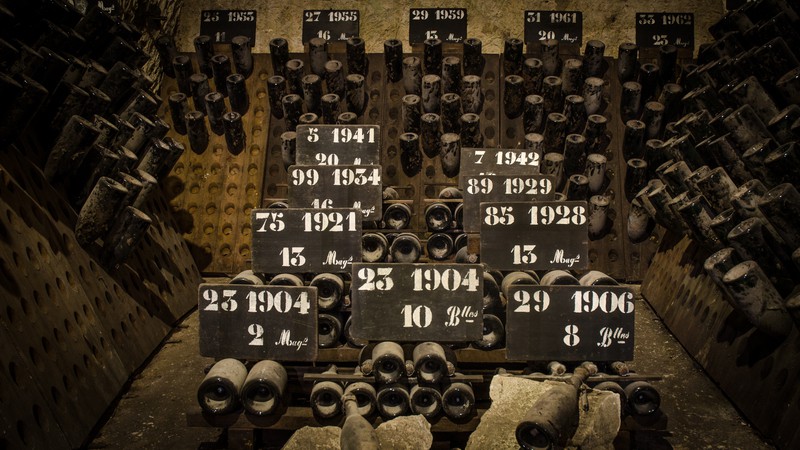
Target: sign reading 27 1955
{"points": [[534, 235]]}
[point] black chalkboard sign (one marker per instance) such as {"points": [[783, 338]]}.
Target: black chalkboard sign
{"points": [[497, 161], [566, 26], [330, 24], [730, 5], [258, 322], [570, 323], [333, 145], [502, 188], [222, 25], [657, 29], [109, 6], [356, 187], [417, 302], [305, 240], [534, 235], [447, 24]]}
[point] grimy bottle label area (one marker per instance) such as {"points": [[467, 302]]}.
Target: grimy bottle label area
{"points": [[417, 302], [534, 235], [570, 323], [258, 322], [299, 240]]}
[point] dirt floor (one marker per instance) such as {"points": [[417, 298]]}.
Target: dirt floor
{"points": [[151, 414]]}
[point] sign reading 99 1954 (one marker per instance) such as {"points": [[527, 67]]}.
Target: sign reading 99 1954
{"points": [[258, 322], [540, 235], [305, 240], [570, 323]]}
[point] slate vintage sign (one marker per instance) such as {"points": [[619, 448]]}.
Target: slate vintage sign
{"points": [[305, 240], [502, 188], [222, 25], [657, 29], [417, 302], [570, 323], [344, 186], [333, 145], [565, 26], [534, 235], [330, 24], [258, 322], [447, 24]]}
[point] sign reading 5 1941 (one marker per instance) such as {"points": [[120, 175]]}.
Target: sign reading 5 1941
{"points": [[417, 302], [570, 323], [331, 145], [309, 240], [534, 235], [657, 29], [258, 322]]}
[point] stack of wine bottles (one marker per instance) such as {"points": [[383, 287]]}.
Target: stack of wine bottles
{"points": [[229, 387], [720, 161], [78, 104], [391, 391]]}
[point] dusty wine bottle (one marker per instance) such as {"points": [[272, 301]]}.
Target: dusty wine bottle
{"points": [[218, 394], [330, 290], [374, 247], [326, 397], [458, 401], [388, 362], [430, 362], [264, 388], [426, 400]]}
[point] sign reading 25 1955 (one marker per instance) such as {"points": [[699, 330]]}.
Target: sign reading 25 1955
{"points": [[534, 235], [358, 187], [309, 240]]}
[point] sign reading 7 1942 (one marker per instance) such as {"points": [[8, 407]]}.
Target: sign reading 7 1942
{"points": [[305, 240], [417, 302], [534, 235]]}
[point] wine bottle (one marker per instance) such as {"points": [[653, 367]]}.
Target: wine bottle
{"points": [[438, 217], [330, 289], [426, 400], [405, 248], [329, 328], [430, 362], [643, 399], [357, 432], [374, 247], [219, 392], [458, 401], [388, 362], [326, 397], [264, 388], [439, 246], [494, 333], [393, 400]]}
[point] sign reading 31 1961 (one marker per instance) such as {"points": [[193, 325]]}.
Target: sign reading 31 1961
{"points": [[534, 235], [305, 240], [417, 302], [565, 26], [570, 323]]}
